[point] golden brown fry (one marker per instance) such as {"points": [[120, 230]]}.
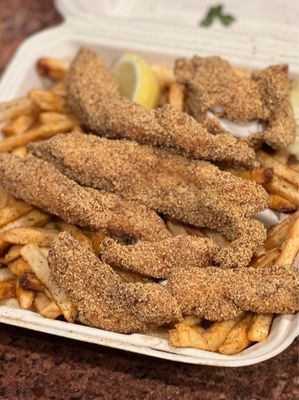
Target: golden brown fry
{"points": [[281, 156], [6, 275], [25, 297], [45, 306], [279, 169], [32, 218], [50, 117], [40, 133], [19, 266], [290, 247], [12, 212], [267, 259], [278, 233], [176, 96], [59, 88], [39, 265], [13, 253], [21, 151], [259, 175], [76, 233], [7, 289], [48, 101], [29, 281], [164, 75], [280, 204], [237, 339], [19, 125], [13, 109], [260, 327], [188, 336], [283, 188], [52, 68], [40, 236]]}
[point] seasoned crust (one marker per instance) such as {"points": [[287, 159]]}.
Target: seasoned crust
{"points": [[100, 295], [92, 96], [41, 184], [194, 192]]}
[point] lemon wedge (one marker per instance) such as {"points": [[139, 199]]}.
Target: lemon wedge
{"points": [[136, 80]]}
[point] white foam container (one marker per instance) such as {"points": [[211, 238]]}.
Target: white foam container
{"points": [[161, 31]]}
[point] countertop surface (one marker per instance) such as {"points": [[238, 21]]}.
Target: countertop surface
{"points": [[40, 366]]}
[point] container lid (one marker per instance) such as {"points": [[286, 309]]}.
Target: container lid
{"points": [[263, 31]]}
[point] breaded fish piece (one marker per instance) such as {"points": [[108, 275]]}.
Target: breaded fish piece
{"points": [[92, 95], [194, 192], [41, 184], [217, 294], [101, 296], [158, 259], [211, 82]]}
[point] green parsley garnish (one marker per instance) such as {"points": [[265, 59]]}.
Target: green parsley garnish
{"points": [[217, 13]]}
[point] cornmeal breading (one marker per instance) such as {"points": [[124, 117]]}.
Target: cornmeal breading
{"points": [[158, 259], [93, 97], [41, 184], [211, 83], [194, 192], [100, 295]]}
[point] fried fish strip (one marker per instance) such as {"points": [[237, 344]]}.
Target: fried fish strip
{"points": [[93, 96], [194, 192], [158, 259], [41, 184], [217, 294], [212, 82], [102, 297]]}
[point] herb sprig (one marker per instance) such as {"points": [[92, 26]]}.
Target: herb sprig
{"points": [[215, 13]]}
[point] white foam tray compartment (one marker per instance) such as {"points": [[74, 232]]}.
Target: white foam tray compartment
{"points": [[19, 77]]}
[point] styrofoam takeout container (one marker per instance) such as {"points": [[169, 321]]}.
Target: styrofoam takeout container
{"points": [[116, 26]]}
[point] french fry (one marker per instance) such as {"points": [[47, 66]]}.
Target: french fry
{"points": [[29, 281], [279, 169], [21, 151], [40, 236], [176, 96], [48, 101], [19, 125], [39, 265], [32, 218], [59, 88], [13, 253], [12, 212], [285, 189], [175, 227], [260, 327], [40, 133], [76, 233], [52, 68], [49, 117], [188, 336], [11, 303], [25, 297], [19, 266], [96, 241], [281, 156], [259, 175], [293, 163], [290, 246], [191, 320], [280, 204], [13, 109], [237, 339], [267, 259], [6, 275], [46, 307], [7, 289], [278, 233], [164, 75]]}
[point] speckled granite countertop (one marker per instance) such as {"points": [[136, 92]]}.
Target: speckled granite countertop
{"points": [[39, 366]]}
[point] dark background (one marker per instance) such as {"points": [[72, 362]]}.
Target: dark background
{"points": [[39, 366]]}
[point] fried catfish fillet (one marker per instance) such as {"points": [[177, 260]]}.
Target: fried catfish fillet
{"points": [[194, 192], [218, 294], [41, 184], [100, 295], [211, 82], [93, 96], [158, 259]]}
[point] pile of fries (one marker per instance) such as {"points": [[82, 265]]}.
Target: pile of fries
{"points": [[26, 233]]}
